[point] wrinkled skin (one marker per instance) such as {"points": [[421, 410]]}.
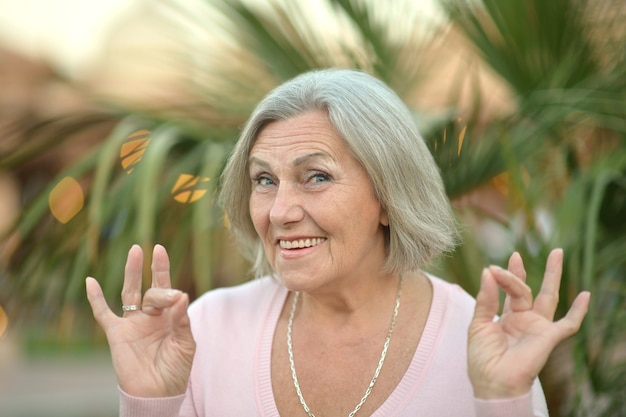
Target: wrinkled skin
{"points": [[152, 348], [505, 356]]}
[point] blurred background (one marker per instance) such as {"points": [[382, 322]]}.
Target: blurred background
{"points": [[116, 118]]}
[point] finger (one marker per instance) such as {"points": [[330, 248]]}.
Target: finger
{"points": [[101, 311], [572, 321], [547, 300], [180, 316], [131, 290], [179, 309], [160, 268], [487, 301], [516, 266], [155, 300], [519, 294]]}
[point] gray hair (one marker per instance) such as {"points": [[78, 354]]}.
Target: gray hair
{"points": [[381, 133]]}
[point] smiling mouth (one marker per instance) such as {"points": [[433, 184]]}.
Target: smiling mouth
{"points": [[301, 243]]}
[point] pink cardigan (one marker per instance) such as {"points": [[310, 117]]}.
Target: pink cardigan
{"points": [[233, 329]]}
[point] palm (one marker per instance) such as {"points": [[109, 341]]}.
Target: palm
{"points": [[505, 356], [152, 349]]}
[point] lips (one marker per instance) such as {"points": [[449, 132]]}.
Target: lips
{"points": [[301, 243]]}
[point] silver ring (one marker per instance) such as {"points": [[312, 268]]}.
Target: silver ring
{"points": [[131, 307]]}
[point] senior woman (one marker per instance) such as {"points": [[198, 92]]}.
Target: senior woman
{"points": [[336, 200]]}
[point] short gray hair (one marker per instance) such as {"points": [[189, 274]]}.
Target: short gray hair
{"points": [[381, 133]]}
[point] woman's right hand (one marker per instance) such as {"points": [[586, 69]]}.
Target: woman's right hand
{"points": [[152, 348]]}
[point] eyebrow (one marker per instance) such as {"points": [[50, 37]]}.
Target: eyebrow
{"points": [[256, 161], [303, 159], [298, 161]]}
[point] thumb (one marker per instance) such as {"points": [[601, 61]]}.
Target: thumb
{"points": [[487, 300], [99, 306]]}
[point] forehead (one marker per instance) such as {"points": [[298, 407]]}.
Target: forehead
{"points": [[308, 131]]}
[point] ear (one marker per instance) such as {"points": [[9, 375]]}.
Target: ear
{"points": [[384, 218]]}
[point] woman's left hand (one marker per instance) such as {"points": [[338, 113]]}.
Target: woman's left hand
{"points": [[506, 355]]}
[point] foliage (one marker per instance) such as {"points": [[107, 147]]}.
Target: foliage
{"points": [[129, 203], [561, 60], [559, 155]]}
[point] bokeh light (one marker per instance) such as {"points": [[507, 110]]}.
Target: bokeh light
{"points": [[4, 321], [133, 149], [66, 199], [189, 188]]}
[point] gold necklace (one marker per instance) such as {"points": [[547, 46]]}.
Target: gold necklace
{"points": [[378, 368]]}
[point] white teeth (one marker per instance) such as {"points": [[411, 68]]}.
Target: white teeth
{"points": [[302, 243]]}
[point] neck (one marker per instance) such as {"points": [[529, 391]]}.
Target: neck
{"points": [[381, 361], [358, 307]]}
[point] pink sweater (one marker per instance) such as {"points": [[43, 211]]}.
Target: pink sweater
{"points": [[234, 327]]}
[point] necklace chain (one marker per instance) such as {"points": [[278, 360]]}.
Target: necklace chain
{"points": [[378, 368]]}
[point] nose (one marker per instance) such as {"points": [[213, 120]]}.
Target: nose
{"points": [[287, 206]]}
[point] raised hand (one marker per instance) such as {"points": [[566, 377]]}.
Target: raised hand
{"points": [[505, 356], [152, 348]]}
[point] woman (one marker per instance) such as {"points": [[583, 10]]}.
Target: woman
{"points": [[334, 197]]}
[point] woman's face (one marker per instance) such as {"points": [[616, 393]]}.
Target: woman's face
{"points": [[313, 205]]}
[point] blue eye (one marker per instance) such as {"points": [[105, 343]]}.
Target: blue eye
{"points": [[319, 177], [263, 180]]}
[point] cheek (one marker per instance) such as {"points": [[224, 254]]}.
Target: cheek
{"points": [[367, 218], [258, 215]]}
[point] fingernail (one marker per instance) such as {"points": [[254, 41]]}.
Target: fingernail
{"points": [[483, 275]]}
